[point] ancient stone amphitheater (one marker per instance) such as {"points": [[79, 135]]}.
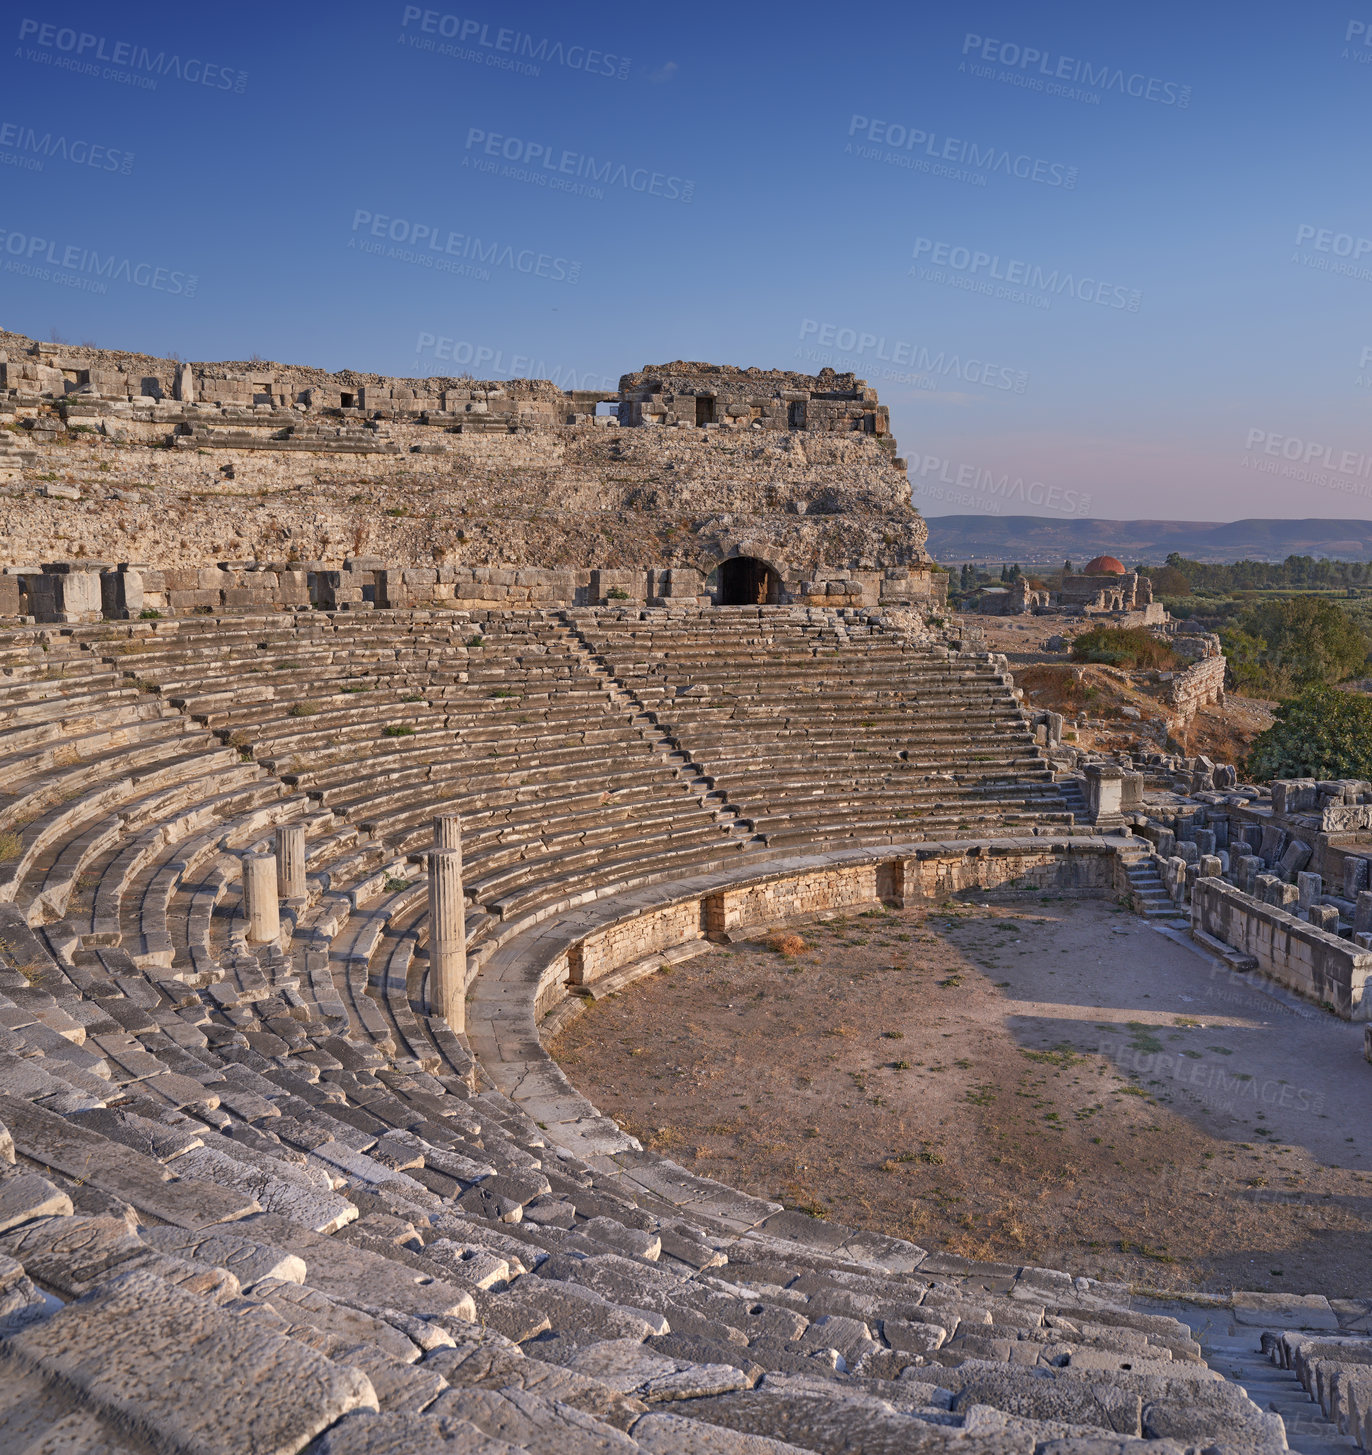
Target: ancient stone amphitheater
{"points": [[288, 884]]}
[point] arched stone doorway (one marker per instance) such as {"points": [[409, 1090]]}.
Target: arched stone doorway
{"points": [[746, 581]]}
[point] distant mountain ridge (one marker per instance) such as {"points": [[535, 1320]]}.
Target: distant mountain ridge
{"points": [[1043, 540]]}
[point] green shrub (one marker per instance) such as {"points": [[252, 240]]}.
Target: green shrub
{"points": [[398, 730], [149, 614], [303, 709], [1123, 647], [1322, 733]]}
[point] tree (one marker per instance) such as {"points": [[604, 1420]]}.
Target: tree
{"points": [[1167, 581], [1322, 733], [1285, 645]]}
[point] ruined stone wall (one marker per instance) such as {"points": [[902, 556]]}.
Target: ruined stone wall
{"points": [[180, 483], [1298, 955], [1198, 686], [34, 368], [621, 944], [715, 397], [794, 897]]}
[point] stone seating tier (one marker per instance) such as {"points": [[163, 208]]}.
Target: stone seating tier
{"points": [[259, 1196]]}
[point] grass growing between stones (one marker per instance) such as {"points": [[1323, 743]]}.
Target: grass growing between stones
{"points": [[1004, 1083]]}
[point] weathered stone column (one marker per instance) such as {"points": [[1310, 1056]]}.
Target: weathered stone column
{"points": [[290, 860], [259, 898], [447, 938], [448, 831]]}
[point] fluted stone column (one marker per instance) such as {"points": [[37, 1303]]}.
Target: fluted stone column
{"points": [[259, 898], [290, 860], [447, 938], [447, 831]]}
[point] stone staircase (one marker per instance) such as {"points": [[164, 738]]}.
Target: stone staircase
{"points": [[1150, 895], [1308, 1431]]}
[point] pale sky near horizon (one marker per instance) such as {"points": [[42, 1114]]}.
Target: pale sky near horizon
{"points": [[1113, 261]]}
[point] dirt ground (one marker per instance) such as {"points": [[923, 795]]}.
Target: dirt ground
{"points": [[1044, 1081]]}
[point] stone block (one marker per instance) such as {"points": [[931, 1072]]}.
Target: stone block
{"points": [[1285, 1310], [1309, 887], [1296, 857], [1272, 845], [1249, 867], [1104, 791], [607, 586], [147, 1354], [1355, 878], [1362, 914]]}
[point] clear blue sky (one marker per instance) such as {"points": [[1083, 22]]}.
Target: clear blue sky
{"points": [[820, 148]]}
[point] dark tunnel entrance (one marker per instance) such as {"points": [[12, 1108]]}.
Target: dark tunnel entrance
{"points": [[746, 581]]}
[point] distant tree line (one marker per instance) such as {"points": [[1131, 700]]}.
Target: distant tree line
{"points": [[1294, 573]]}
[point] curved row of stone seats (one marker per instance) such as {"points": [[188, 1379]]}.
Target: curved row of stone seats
{"points": [[513, 729], [291, 1240], [87, 760], [816, 733]]}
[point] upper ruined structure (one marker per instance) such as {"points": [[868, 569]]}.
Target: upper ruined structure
{"points": [[693, 480], [702, 395], [685, 394]]}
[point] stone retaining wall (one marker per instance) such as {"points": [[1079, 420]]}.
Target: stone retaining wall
{"points": [[1077, 868], [78, 591], [1073, 868], [1294, 953], [798, 473]]}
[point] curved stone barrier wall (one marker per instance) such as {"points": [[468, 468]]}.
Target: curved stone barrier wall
{"points": [[612, 942]]}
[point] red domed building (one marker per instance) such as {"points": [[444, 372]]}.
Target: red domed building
{"points": [[1104, 566], [1106, 586]]}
